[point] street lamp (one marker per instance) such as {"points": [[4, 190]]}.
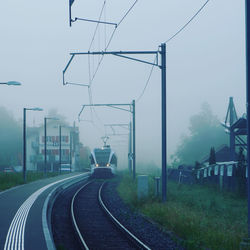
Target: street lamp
{"points": [[24, 139], [60, 146], [11, 83], [45, 142]]}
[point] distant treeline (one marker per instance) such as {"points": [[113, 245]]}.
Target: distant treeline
{"points": [[205, 131], [10, 139]]}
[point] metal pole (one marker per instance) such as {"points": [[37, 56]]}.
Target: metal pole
{"points": [[134, 159], [70, 12], [130, 148], [164, 122], [45, 146], [60, 147], [24, 145], [247, 103], [70, 150], [232, 136]]}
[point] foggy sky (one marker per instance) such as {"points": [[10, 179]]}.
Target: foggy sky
{"points": [[205, 63]]}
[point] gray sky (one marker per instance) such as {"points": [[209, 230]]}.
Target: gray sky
{"points": [[205, 63]]}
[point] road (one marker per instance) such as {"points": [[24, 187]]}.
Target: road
{"points": [[21, 221]]}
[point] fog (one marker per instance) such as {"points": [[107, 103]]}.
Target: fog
{"points": [[205, 63]]}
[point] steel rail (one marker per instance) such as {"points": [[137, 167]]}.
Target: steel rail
{"points": [[124, 229], [73, 217]]}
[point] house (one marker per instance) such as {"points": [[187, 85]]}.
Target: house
{"points": [[222, 154], [35, 146]]}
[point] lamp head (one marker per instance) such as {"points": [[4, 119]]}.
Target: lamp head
{"points": [[52, 118], [15, 83], [37, 109]]}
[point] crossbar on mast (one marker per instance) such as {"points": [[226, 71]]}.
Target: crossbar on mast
{"points": [[114, 52], [92, 21]]}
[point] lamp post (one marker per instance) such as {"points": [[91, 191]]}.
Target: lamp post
{"points": [[24, 139], [247, 24], [60, 146], [45, 142], [70, 150], [11, 83]]}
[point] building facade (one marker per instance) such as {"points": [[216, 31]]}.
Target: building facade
{"points": [[36, 147]]}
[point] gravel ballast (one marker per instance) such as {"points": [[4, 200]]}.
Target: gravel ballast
{"points": [[149, 233]]}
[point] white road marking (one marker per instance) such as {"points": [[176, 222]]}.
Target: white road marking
{"points": [[15, 236]]}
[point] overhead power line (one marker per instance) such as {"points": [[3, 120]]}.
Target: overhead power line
{"points": [[183, 27], [127, 12], [97, 25], [148, 80], [111, 37]]}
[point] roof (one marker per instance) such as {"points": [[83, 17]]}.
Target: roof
{"points": [[240, 126], [222, 154]]}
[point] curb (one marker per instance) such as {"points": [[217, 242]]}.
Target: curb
{"points": [[47, 209]]}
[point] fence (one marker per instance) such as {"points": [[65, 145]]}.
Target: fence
{"points": [[225, 175]]}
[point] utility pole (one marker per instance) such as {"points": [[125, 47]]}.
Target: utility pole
{"points": [[128, 126], [247, 4], [233, 118], [164, 122], [70, 150], [24, 139], [24, 145], [120, 107], [45, 142], [60, 148], [130, 148], [134, 162], [45, 146], [162, 66]]}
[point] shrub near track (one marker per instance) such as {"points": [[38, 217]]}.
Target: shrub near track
{"points": [[8, 180], [202, 216]]}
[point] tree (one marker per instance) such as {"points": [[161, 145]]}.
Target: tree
{"points": [[10, 139], [212, 157], [205, 131]]}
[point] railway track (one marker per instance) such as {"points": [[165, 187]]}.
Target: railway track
{"points": [[95, 226]]}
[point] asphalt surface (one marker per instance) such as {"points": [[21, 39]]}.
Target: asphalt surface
{"points": [[21, 213]]}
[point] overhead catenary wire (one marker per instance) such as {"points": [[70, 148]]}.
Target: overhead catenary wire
{"points": [[92, 74], [101, 59], [103, 10], [91, 102], [111, 37], [97, 25], [133, 5], [184, 26], [172, 37], [148, 80]]}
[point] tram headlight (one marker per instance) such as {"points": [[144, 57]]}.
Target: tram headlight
{"points": [[97, 165], [108, 165]]}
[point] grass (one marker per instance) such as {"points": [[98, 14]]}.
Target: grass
{"points": [[202, 216], [8, 180]]}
